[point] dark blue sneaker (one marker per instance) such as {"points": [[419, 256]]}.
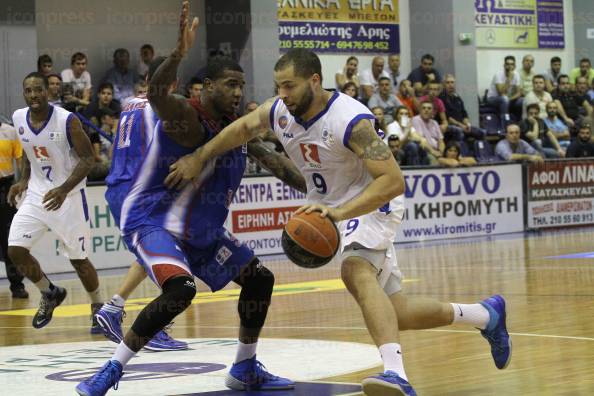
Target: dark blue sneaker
{"points": [[163, 342], [109, 318], [250, 374], [95, 328], [99, 384], [496, 332], [49, 301], [388, 383]]}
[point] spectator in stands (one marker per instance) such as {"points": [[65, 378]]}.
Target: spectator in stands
{"points": [[571, 107], [538, 95], [512, 148], [394, 145], [452, 157], [195, 88], [79, 78], [380, 120], [582, 146], [140, 89], [45, 64], [120, 75], [555, 125], [526, 74], [423, 75], [459, 126], [348, 73], [585, 70], [552, 74], [102, 144], [406, 96], [250, 106], [54, 90], [534, 130], [369, 78], [591, 92], [103, 100], [147, 54], [385, 99], [394, 70], [414, 145], [429, 129], [350, 88], [581, 89], [439, 111], [504, 92]]}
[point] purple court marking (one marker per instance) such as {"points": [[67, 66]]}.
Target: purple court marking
{"points": [[301, 389], [137, 372], [585, 255]]}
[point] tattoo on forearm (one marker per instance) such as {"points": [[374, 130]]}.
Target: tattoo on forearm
{"points": [[280, 166], [368, 143]]}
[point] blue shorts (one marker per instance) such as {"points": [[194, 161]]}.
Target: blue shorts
{"points": [[115, 198], [164, 256]]}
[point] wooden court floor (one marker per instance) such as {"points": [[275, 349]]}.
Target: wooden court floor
{"points": [[550, 314]]}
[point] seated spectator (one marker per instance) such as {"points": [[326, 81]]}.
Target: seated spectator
{"points": [[147, 54], [585, 70], [423, 75], [555, 125], [195, 88], [414, 145], [103, 100], [571, 107], [385, 99], [512, 148], [350, 89], [140, 90], [348, 73], [369, 78], [538, 95], [54, 90], [102, 145], [393, 142], [69, 101], [552, 74], [504, 92], [534, 130], [394, 70], [79, 78], [429, 129], [120, 75], [591, 93], [526, 74], [406, 96], [582, 146], [581, 90], [380, 121], [432, 96], [459, 127], [452, 157], [45, 65]]}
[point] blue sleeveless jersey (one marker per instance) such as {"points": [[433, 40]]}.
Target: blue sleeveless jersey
{"points": [[195, 214]]}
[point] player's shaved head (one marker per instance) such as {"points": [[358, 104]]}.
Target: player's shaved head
{"points": [[305, 63], [41, 76]]}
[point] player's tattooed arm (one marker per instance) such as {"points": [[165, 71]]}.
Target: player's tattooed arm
{"points": [[365, 142], [280, 166]]}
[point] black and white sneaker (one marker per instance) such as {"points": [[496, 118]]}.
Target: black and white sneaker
{"points": [[49, 302]]}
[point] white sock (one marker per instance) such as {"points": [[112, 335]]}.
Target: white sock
{"points": [[44, 285], [245, 351], [123, 354], [118, 301], [392, 357], [472, 314], [95, 296]]}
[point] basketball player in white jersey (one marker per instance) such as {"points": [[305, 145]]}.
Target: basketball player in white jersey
{"points": [[352, 178], [58, 157]]}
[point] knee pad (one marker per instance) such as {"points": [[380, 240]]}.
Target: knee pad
{"points": [[177, 295], [255, 296]]}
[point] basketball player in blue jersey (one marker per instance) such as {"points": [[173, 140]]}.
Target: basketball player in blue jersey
{"points": [[133, 136], [177, 235], [352, 178]]}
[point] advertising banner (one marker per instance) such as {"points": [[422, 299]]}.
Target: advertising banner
{"points": [[519, 24], [342, 26], [560, 193]]}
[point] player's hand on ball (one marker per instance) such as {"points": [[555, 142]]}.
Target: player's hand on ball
{"points": [[325, 211], [183, 171], [15, 191], [54, 198]]}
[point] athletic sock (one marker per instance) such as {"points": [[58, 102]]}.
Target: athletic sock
{"points": [[45, 285], [123, 354], [245, 351], [392, 357], [118, 301], [95, 296], [472, 314]]}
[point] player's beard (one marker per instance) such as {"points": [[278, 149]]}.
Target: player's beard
{"points": [[304, 104]]}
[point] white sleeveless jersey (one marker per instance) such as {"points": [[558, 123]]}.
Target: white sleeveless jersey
{"points": [[333, 173], [48, 149]]}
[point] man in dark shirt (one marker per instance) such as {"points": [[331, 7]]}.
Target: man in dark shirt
{"points": [[534, 130], [423, 75], [583, 145], [572, 107]]}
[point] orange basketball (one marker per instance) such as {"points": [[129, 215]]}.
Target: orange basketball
{"points": [[309, 240]]}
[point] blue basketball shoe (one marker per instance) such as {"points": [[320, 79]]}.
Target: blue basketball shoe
{"points": [[110, 318], [163, 342], [98, 385], [388, 383], [496, 331], [250, 374]]}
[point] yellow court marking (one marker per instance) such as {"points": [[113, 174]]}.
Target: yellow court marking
{"points": [[138, 304]]}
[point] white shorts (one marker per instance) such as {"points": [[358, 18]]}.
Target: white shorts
{"points": [[371, 237], [70, 223]]}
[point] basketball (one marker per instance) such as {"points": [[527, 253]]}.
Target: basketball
{"points": [[310, 241]]}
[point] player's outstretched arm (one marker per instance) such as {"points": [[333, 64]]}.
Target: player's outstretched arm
{"points": [[280, 166], [233, 135]]}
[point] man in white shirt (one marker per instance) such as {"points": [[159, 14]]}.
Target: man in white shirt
{"points": [[370, 78], [537, 95], [505, 90], [79, 77]]}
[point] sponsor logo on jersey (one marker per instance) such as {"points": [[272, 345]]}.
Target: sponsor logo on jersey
{"points": [[287, 135], [223, 255], [311, 155], [56, 136], [41, 153], [282, 122], [21, 130], [327, 137], [25, 140], [244, 149]]}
